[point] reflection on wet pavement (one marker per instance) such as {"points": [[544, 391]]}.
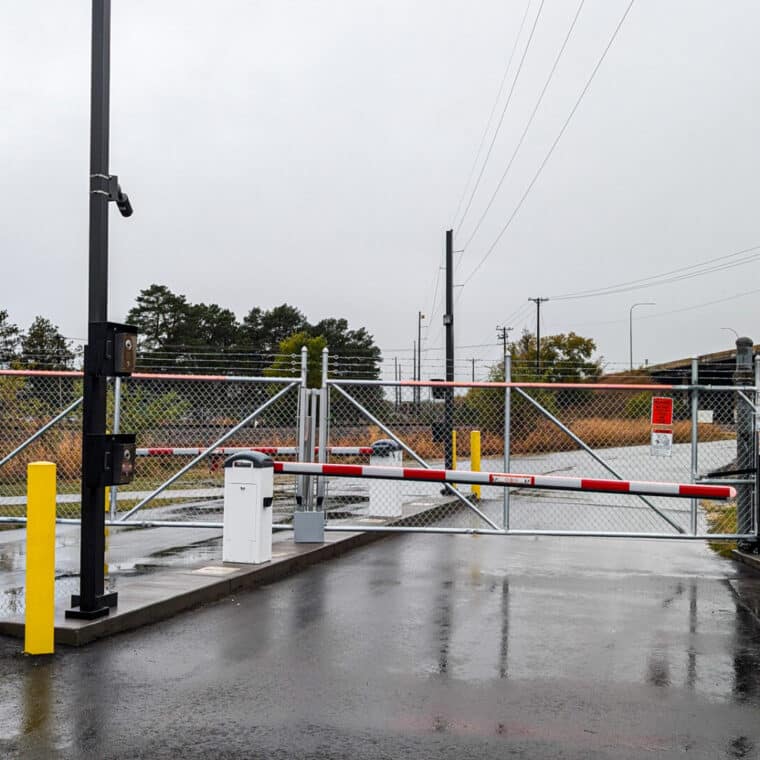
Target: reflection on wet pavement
{"points": [[426, 646]]}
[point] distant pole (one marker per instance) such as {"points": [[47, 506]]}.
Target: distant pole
{"points": [[414, 367], [473, 370], [420, 317], [538, 302], [396, 377], [448, 323], [630, 327], [502, 333]]}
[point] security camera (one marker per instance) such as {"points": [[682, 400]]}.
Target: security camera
{"points": [[123, 204]]}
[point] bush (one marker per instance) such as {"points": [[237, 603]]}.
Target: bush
{"points": [[638, 405]]}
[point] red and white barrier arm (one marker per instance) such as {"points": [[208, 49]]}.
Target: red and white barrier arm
{"points": [[510, 480], [193, 451]]}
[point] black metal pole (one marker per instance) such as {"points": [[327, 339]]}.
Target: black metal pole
{"points": [[538, 337], [448, 322], [414, 366], [538, 302], [419, 355], [502, 332], [91, 600]]}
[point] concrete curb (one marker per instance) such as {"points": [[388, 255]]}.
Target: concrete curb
{"points": [[750, 560]]}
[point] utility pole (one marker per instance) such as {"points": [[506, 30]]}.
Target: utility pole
{"points": [[538, 302], [502, 333], [473, 369], [396, 378], [448, 323], [414, 370], [418, 390]]}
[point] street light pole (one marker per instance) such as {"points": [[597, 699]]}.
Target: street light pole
{"points": [[630, 327]]}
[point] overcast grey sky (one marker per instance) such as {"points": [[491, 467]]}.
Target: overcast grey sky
{"points": [[314, 153]]}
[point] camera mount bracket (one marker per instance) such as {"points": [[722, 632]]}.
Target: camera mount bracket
{"points": [[108, 185]]}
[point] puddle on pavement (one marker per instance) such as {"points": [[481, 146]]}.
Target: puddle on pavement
{"points": [[66, 584]]}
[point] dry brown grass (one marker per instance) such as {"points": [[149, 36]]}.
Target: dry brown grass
{"points": [[543, 436], [64, 449]]}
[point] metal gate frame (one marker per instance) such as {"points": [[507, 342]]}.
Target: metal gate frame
{"points": [[124, 520], [127, 520], [747, 393], [408, 449]]}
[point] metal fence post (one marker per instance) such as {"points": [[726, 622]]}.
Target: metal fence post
{"points": [[744, 375], [307, 481], [757, 452], [323, 423], [115, 429], [507, 435], [313, 414], [303, 401], [694, 440]]}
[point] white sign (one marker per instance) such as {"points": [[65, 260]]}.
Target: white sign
{"points": [[513, 480], [705, 415], [662, 443]]}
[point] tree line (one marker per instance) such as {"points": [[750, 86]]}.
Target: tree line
{"points": [[176, 334], [42, 346]]}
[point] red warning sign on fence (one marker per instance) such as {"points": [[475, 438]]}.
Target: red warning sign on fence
{"points": [[662, 410]]}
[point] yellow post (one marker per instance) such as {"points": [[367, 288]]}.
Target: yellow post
{"points": [[475, 458], [454, 452], [40, 558], [107, 507]]}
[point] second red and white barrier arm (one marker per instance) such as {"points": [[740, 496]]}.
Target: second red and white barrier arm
{"points": [[511, 480], [193, 451]]}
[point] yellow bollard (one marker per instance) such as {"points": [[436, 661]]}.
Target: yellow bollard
{"points": [[454, 452], [40, 558], [475, 459], [108, 511]]}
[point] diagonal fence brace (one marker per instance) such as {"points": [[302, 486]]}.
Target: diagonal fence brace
{"points": [[412, 453], [565, 429]]}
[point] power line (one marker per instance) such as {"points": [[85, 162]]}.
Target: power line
{"points": [[701, 305], [659, 314], [503, 114], [674, 275], [553, 145], [528, 124], [490, 115]]}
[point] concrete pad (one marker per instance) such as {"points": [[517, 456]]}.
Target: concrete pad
{"points": [[149, 598]]}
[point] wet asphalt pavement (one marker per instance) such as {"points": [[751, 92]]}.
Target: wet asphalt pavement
{"points": [[425, 647]]}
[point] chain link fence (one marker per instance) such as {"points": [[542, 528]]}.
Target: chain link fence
{"points": [[582, 431], [176, 419], [590, 431]]}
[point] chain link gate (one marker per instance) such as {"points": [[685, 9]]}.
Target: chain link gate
{"points": [[185, 425], [537, 429]]}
